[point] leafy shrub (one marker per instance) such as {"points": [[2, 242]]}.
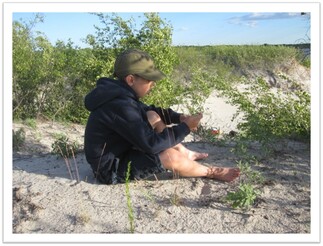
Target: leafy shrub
{"points": [[47, 79], [18, 138], [268, 115], [244, 197], [251, 176], [153, 36], [51, 81], [234, 59], [275, 115], [306, 62], [246, 194], [62, 146], [31, 123], [196, 92]]}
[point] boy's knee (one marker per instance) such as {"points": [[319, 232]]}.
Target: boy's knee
{"points": [[171, 159]]}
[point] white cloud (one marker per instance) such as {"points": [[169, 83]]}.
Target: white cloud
{"points": [[252, 19]]}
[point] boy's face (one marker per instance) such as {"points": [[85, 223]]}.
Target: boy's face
{"points": [[140, 85]]}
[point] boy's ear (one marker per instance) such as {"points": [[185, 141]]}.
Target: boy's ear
{"points": [[129, 79]]}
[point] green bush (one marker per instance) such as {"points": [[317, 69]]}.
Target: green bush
{"points": [[153, 36], [51, 81], [275, 115], [225, 60], [244, 197], [62, 146], [47, 79], [18, 138], [268, 115], [31, 123], [251, 176], [246, 194], [196, 92], [306, 62]]}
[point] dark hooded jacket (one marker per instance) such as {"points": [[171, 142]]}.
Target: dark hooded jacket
{"points": [[118, 123]]}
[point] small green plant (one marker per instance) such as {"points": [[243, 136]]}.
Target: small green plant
{"points": [[62, 146], [244, 197], [306, 62], [252, 176], [18, 138], [175, 199], [31, 123], [128, 196], [246, 194]]}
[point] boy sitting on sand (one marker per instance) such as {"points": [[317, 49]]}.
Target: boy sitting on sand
{"points": [[121, 129]]}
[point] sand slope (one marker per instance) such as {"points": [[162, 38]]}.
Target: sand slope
{"points": [[47, 200]]}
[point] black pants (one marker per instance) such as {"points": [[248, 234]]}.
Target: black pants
{"points": [[142, 165]]}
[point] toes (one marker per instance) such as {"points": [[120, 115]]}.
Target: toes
{"points": [[197, 156], [201, 155]]}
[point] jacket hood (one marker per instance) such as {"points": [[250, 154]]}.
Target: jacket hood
{"points": [[106, 89]]}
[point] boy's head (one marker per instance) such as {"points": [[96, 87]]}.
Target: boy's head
{"points": [[136, 62]]}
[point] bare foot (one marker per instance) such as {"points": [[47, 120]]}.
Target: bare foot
{"points": [[193, 156], [223, 173]]}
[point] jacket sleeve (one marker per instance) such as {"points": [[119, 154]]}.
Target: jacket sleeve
{"points": [[168, 115], [131, 123]]}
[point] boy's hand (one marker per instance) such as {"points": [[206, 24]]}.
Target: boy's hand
{"points": [[192, 121]]}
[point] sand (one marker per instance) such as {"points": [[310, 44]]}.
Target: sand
{"points": [[47, 200]]}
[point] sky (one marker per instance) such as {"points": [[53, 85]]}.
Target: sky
{"points": [[189, 28]]}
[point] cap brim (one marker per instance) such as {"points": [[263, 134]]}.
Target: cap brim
{"points": [[154, 75]]}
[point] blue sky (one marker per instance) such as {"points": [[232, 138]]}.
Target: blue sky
{"points": [[190, 28]]}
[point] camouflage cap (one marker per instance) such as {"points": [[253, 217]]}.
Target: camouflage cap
{"points": [[136, 62]]}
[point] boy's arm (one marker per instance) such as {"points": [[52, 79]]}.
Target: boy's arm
{"points": [[128, 122], [168, 115]]}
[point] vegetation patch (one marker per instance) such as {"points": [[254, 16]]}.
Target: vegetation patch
{"points": [[62, 146], [18, 138]]}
